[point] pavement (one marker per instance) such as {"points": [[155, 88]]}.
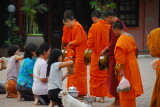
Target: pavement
{"points": [[148, 78]]}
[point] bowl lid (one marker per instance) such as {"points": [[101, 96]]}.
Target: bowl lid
{"points": [[73, 91], [72, 88]]}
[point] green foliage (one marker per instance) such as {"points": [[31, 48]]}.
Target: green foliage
{"points": [[7, 43], [102, 5], [30, 9], [13, 37], [11, 23], [15, 40]]}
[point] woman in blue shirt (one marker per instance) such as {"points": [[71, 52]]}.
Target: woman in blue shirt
{"points": [[25, 77]]}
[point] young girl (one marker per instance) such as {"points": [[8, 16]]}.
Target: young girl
{"points": [[56, 76], [25, 77], [12, 71], [40, 84]]}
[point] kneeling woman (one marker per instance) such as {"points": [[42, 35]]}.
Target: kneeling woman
{"points": [[25, 77], [56, 76], [40, 84]]}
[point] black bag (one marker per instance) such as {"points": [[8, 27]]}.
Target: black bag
{"points": [[2, 88]]}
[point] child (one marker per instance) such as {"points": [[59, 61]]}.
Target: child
{"points": [[12, 71], [25, 77], [56, 76], [40, 84]]}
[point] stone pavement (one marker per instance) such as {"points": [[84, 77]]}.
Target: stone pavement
{"points": [[147, 74]]}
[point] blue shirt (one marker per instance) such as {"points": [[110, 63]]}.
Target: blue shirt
{"points": [[24, 77]]}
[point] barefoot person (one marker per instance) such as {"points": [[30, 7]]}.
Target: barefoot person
{"points": [[56, 76], [25, 77], [78, 45], [40, 80], [98, 39], [112, 82], [154, 46], [12, 71], [66, 31], [125, 57]]}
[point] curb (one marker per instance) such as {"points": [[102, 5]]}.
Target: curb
{"points": [[144, 56]]}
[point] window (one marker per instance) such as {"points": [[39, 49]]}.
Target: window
{"points": [[129, 12]]}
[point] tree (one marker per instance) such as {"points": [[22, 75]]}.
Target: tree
{"points": [[30, 9], [102, 5]]}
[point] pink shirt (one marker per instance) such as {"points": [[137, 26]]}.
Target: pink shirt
{"points": [[13, 67]]}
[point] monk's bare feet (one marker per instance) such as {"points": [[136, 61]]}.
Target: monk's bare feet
{"points": [[114, 104], [101, 100]]}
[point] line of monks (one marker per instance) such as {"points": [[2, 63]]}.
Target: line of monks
{"points": [[106, 36]]}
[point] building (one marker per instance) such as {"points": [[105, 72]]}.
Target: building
{"points": [[140, 16]]}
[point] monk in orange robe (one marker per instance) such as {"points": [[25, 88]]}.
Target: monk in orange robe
{"points": [[154, 46], [112, 82], [125, 57], [66, 35], [78, 44], [98, 39]]}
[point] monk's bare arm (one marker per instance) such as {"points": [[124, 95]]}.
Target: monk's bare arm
{"points": [[121, 69]]}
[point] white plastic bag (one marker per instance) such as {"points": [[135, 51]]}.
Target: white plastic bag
{"points": [[123, 85], [155, 64]]}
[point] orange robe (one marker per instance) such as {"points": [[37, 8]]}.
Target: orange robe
{"points": [[125, 54], [66, 37], [10, 87], [154, 46], [153, 42], [79, 78], [98, 39]]}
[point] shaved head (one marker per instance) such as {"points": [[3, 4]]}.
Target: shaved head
{"points": [[69, 13]]}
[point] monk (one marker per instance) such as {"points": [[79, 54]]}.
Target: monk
{"points": [[78, 44], [125, 57], [98, 39], [112, 82], [154, 46], [66, 35]]}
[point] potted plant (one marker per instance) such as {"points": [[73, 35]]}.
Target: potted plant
{"points": [[13, 38], [102, 5], [30, 9]]}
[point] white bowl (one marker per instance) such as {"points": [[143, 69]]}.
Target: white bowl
{"points": [[73, 93]]}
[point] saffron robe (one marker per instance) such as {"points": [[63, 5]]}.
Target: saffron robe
{"points": [[98, 39], [125, 54], [154, 46], [66, 38], [112, 82], [79, 78]]}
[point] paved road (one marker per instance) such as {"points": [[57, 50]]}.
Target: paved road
{"points": [[148, 78]]}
